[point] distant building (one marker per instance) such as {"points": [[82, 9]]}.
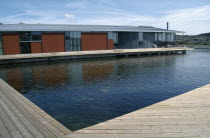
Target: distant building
{"points": [[46, 38]]}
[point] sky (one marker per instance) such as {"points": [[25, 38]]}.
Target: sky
{"points": [[191, 16]]}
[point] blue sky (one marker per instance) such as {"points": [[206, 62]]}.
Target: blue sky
{"points": [[192, 16]]}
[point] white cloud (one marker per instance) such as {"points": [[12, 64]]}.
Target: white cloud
{"points": [[70, 16], [192, 21]]}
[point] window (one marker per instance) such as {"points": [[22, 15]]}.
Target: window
{"points": [[163, 36], [159, 36], [67, 37], [36, 36], [25, 36], [1, 45], [168, 37], [172, 37], [141, 36], [115, 37], [156, 36], [73, 41], [30, 36], [110, 35]]}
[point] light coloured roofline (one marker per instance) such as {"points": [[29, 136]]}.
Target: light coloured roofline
{"points": [[144, 31], [79, 27], [170, 31], [84, 25]]}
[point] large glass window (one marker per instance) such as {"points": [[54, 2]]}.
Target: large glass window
{"points": [[163, 36], [172, 37], [1, 45], [110, 35], [73, 41], [156, 36], [141, 37], [115, 37], [159, 36]]}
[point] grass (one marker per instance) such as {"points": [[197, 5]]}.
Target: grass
{"points": [[198, 45]]}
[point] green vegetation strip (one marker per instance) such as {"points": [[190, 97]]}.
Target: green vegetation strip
{"points": [[200, 45]]}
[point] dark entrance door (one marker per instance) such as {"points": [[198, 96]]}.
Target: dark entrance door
{"points": [[25, 47]]}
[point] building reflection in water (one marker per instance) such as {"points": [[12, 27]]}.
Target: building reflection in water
{"points": [[24, 78], [51, 75], [15, 78]]}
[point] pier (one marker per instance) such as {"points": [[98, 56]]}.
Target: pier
{"points": [[186, 115], [23, 58]]}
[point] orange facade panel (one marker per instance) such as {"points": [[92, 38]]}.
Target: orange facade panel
{"points": [[36, 47], [11, 43], [94, 41], [53, 42], [110, 44]]}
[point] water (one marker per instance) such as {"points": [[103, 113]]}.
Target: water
{"points": [[86, 92]]}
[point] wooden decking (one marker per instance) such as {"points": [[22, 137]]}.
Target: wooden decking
{"points": [[187, 115], [21, 118]]}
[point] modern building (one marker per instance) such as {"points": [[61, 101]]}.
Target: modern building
{"points": [[47, 38]]}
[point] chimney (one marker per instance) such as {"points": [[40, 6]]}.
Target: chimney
{"points": [[167, 25]]}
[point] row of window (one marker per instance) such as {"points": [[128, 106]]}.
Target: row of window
{"points": [[74, 37], [170, 37]]}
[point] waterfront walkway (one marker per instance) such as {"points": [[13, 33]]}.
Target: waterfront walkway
{"points": [[22, 58], [186, 115]]}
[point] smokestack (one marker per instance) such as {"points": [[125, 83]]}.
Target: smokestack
{"points": [[167, 25]]}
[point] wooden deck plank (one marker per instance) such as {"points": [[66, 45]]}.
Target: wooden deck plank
{"points": [[9, 124], [41, 119], [4, 132], [55, 125], [42, 128], [26, 127]]}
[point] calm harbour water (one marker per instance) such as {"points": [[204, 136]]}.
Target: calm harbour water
{"points": [[86, 92]]}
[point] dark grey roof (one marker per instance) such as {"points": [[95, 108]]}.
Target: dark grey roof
{"points": [[66, 27]]}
